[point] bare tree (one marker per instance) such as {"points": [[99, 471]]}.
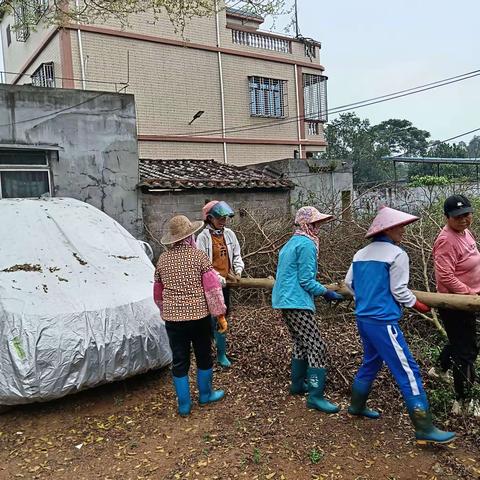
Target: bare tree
{"points": [[28, 13]]}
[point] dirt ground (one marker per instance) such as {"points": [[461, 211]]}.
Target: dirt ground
{"points": [[130, 430]]}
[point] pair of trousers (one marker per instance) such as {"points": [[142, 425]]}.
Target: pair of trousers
{"points": [[308, 343], [385, 343], [461, 351], [182, 336]]}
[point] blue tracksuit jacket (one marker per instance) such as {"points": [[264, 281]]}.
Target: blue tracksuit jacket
{"points": [[378, 278]]}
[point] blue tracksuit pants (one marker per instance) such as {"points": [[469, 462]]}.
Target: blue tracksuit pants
{"points": [[385, 343]]}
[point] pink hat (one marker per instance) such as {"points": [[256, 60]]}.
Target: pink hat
{"points": [[388, 218], [310, 215], [207, 207]]}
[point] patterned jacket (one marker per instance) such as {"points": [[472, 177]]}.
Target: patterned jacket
{"points": [[186, 286]]}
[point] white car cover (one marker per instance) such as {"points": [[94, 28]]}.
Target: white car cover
{"points": [[76, 301]]}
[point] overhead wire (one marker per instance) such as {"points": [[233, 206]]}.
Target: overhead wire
{"points": [[437, 142], [335, 110], [56, 112], [340, 109]]}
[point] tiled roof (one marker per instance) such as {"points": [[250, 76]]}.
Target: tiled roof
{"points": [[199, 174]]}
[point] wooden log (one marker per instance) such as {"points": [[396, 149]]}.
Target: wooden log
{"points": [[469, 303]]}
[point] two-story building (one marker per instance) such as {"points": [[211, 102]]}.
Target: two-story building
{"points": [[223, 89]]}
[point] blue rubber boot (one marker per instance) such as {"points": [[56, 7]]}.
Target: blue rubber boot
{"points": [[206, 394], [360, 392], [221, 344], [425, 431], [182, 389], [298, 377], [316, 387]]}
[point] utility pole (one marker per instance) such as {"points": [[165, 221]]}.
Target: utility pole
{"points": [[297, 30]]}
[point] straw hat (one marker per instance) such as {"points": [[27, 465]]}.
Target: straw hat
{"points": [[389, 218], [180, 227]]}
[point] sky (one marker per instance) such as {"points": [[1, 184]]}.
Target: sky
{"points": [[375, 47]]}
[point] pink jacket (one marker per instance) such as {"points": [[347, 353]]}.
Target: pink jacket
{"points": [[457, 262]]}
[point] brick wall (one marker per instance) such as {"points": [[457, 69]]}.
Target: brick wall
{"points": [[159, 207]]}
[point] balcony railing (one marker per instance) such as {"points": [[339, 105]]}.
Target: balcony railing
{"points": [[258, 40], [314, 128]]}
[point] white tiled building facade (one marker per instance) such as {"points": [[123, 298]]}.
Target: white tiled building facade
{"points": [[263, 95]]}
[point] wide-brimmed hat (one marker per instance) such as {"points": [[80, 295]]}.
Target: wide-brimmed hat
{"points": [[306, 215], [389, 218], [178, 228]]}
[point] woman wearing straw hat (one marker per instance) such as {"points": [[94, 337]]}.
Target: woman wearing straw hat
{"points": [[378, 278], [187, 291], [294, 291]]}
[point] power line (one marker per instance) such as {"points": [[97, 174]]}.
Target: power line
{"points": [[56, 112], [433, 144], [335, 110], [438, 142], [406, 94], [473, 72], [341, 109]]}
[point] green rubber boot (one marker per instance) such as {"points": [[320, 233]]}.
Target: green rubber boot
{"points": [[298, 377], [221, 344], [421, 417], [316, 387], [360, 392]]}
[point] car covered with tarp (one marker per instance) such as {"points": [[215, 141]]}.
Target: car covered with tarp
{"points": [[76, 302]]}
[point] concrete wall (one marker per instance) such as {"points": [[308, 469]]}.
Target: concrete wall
{"points": [[314, 185], [95, 134], [159, 207]]}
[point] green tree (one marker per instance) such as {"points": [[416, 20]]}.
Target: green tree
{"points": [[349, 138], [400, 137], [474, 147], [352, 138], [61, 12]]}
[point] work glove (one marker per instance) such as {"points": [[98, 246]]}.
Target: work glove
{"points": [[222, 324], [421, 307], [331, 296]]}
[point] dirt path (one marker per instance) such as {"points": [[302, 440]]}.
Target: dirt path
{"points": [[130, 430]]}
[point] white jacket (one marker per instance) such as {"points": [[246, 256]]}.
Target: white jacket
{"points": [[204, 243]]}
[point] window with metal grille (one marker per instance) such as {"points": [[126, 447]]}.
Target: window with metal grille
{"points": [[24, 173], [268, 97], [20, 15], [315, 97], [44, 76]]}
